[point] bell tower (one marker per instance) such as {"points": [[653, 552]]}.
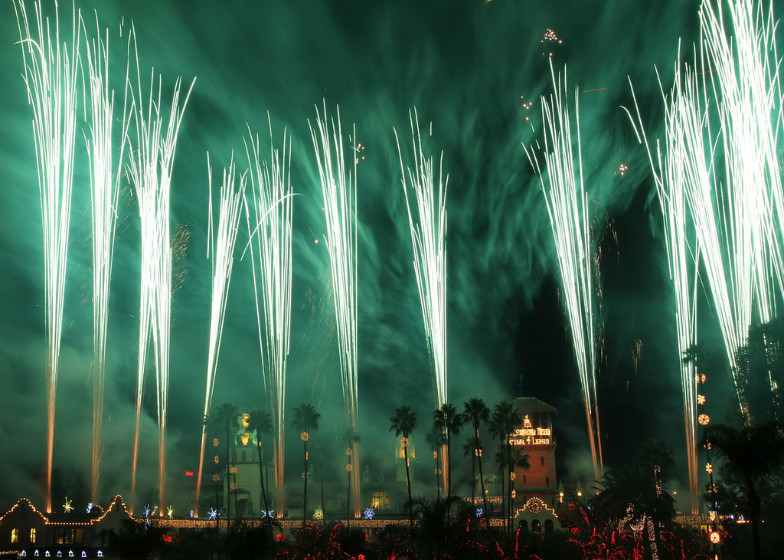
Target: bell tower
{"points": [[535, 438]]}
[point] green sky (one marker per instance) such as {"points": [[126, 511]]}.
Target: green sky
{"points": [[467, 66]]}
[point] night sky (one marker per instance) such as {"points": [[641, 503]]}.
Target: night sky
{"points": [[467, 66]]}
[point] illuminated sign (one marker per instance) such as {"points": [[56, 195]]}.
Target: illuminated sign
{"points": [[530, 435]]}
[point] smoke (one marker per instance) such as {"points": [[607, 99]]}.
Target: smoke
{"points": [[467, 66]]}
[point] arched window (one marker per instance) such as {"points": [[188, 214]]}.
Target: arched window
{"points": [[14, 535], [32, 535]]}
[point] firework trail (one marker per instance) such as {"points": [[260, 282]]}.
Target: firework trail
{"points": [[672, 173], [741, 51], [428, 238], [104, 190], [50, 75], [567, 207], [338, 186], [270, 226], [221, 245], [150, 171]]}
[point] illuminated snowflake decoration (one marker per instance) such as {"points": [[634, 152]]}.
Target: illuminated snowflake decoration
{"points": [[369, 513], [715, 537], [480, 512], [67, 507], [89, 507], [318, 514], [213, 514], [270, 514], [700, 399], [147, 511], [622, 169], [170, 512], [703, 419]]}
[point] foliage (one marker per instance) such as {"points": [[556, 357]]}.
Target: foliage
{"points": [[633, 491]]}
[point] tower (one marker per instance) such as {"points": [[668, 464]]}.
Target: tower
{"points": [[535, 438]]}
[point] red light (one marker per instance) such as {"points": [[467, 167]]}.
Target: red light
{"points": [[188, 473]]}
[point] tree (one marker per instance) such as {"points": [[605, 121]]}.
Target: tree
{"points": [[471, 448], [305, 420], [224, 419], [504, 421], [632, 493], [476, 412], [751, 454], [448, 420], [403, 423], [435, 441], [260, 422]]}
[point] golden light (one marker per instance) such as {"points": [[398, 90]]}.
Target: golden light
{"points": [[700, 399], [703, 419], [304, 436], [708, 468], [715, 537]]}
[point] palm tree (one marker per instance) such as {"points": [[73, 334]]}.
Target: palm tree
{"points": [[403, 423], [448, 420], [260, 422], [751, 453], [504, 421], [476, 412], [472, 447], [222, 421], [305, 420], [435, 440]]}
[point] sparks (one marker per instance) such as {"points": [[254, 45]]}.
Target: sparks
{"points": [[339, 190], [105, 173], [221, 246], [150, 170], [567, 207], [269, 221]]}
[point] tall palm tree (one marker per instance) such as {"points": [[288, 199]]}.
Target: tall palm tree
{"points": [[222, 422], [751, 454], [305, 420], [476, 412], [472, 448], [503, 422], [448, 420], [403, 423], [435, 441], [260, 422]]}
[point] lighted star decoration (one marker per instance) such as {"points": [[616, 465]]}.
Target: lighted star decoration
{"points": [[213, 514], [67, 507], [369, 513]]}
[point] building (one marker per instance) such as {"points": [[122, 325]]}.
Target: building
{"points": [[31, 533], [535, 438]]}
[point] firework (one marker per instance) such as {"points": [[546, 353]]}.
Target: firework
{"points": [[428, 238], [50, 76], [741, 52], [674, 171], [270, 228], [221, 246], [567, 207], [338, 186], [150, 170], [104, 189]]}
